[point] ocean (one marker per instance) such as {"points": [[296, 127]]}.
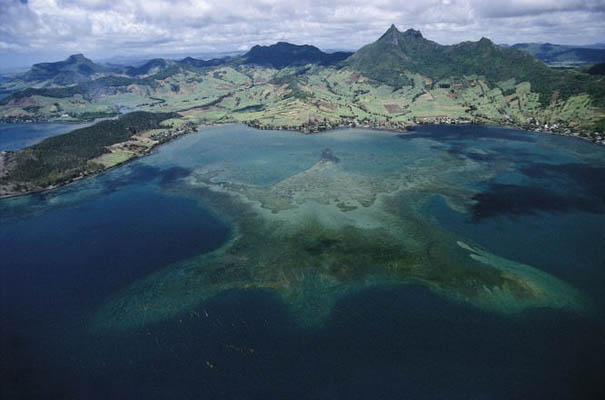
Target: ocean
{"points": [[235, 263]]}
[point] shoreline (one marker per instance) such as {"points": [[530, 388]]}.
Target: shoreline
{"points": [[402, 129], [79, 178], [315, 126]]}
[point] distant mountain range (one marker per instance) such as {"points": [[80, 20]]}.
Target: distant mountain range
{"points": [[401, 78], [380, 60], [138, 60], [556, 54], [77, 68]]}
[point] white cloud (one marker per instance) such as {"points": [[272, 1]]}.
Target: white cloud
{"points": [[100, 28]]}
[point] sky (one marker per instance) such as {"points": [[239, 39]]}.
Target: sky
{"points": [[50, 30]]}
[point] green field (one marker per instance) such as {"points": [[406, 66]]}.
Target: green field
{"points": [[292, 97]]}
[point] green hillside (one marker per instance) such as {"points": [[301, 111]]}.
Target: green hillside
{"points": [[388, 58]]}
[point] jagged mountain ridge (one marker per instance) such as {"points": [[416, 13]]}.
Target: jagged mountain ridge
{"points": [[390, 57], [396, 52]]}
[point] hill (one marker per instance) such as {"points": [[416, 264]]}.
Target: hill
{"points": [[76, 68], [164, 67], [150, 67], [197, 63], [282, 54]]}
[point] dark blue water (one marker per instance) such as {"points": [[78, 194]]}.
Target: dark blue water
{"points": [[547, 211], [18, 136], [64, 252]]}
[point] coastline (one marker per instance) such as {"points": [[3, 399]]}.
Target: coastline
{"points": [[95, 173], [401, 128]]}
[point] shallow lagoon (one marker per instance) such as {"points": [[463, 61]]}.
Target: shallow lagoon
{"points": [[149, 281]]}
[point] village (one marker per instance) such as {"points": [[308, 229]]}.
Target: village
{"points": [[535, 125]]}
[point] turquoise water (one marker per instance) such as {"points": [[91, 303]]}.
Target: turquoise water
{"points": [[18, 136], [535, 199]]}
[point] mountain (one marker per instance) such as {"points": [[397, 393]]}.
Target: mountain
{"points": [[560, 54], [76, 68], [197, 63], [390, 57], [402, 78], [138, 60], [151, 67], [396, 52], [282, 54], [168, 67]]}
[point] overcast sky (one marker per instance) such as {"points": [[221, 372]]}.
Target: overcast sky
{"points": [[49, 30]]}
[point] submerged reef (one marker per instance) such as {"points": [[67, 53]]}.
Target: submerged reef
{"points": [[328, 231]]}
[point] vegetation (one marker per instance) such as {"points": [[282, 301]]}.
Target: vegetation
{"points": [[87, 89], [281, 55], [399, 80], [151, 66], [600, 126], [597, 69], [65, 157], [387, 59]]}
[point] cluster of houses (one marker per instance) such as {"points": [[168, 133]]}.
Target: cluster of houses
{"points": [[169, 134], [22, 119], [316, 125], [558, 129], [443, 120]]}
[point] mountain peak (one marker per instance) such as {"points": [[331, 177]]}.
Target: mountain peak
{"points": [[74, 69], [77, 58], [394, 53], [413, 33], [485, 41], [391, 35]]}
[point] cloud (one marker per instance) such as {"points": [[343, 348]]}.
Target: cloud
{"points": [[101, 29], [520, 8]]}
